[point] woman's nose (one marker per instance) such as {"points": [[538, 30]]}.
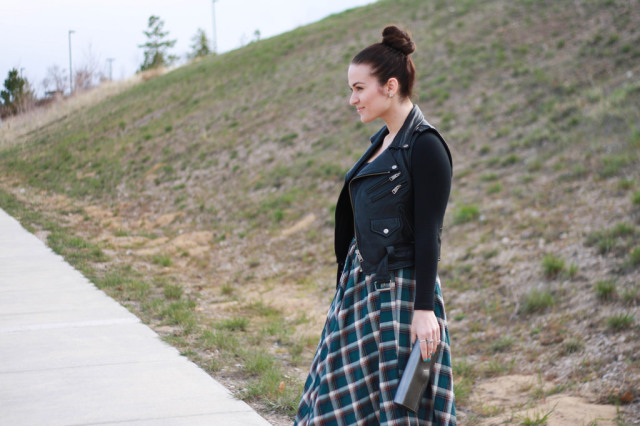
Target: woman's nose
{"points": [[353, 99]]}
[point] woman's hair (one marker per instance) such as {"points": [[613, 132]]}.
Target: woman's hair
{"points": [[391, 58]]}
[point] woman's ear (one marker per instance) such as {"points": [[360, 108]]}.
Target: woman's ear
{"points": [[392, 86]]}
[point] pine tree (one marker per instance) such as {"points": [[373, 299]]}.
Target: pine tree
{"points": [[156, 48], [18, 95], [200, 46]]}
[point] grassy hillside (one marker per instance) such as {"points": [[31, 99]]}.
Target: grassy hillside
{"points": [[203, 199]]}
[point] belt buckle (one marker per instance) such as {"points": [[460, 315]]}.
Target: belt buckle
{"points": [[383, 286]]}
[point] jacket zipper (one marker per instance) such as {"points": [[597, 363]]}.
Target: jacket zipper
{"points": [[355, 228], [375, 187], [384, 193]]}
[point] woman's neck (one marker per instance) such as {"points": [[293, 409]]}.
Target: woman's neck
{"points": [[397, 115]]}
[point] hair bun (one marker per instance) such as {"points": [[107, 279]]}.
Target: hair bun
{"points": [[397, 39]]}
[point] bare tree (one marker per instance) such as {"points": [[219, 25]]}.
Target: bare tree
{"points": [[55, 82], [90, 73]]}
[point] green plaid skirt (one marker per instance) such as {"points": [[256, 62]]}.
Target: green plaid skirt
{"points": [[362, 352]]}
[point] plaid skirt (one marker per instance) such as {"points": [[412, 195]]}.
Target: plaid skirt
{"points": [[363, 349]]}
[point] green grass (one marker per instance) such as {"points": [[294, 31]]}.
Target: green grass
{"points": [[631, 296], [615, 239], [634, 256], [465, 213], [552, 265], [173, 291], [233, 324], [247, 143], [621, 321], [494, 189], [180, 313], [162, 260], [605, 290], [572, 345], [536, 418], [537, 301], [502, 344]]}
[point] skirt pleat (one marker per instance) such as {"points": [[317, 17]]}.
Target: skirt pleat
{"points": [[363, 349]]}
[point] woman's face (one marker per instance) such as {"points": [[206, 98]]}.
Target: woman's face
{"points": [[367, 95]]}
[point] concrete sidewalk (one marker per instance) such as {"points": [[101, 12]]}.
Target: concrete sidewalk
{"points": [[70, 355]]}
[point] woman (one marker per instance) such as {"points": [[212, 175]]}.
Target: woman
{"points": [[387, 241]]}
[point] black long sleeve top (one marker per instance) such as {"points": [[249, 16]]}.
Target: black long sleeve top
{"points": [[431, 174]]}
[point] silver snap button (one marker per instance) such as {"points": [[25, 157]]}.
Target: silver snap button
{"points": [[406, 145], [385, 230], [394, 167]]}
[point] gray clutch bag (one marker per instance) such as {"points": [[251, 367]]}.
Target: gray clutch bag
{"points": [[415, 379]]}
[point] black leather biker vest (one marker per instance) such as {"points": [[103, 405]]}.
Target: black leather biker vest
{"points": [[376, 203]]}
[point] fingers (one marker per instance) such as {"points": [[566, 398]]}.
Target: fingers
{"points": [[432, 343], [424, 350], [429, 346], [426, 329]]}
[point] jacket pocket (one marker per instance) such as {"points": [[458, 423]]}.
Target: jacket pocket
{"points": [[385, 227]]}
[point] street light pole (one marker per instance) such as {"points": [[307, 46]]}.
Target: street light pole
{"points": [[70, 64], [110, 60], [214, 41]]}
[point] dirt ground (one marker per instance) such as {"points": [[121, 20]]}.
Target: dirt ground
{"points": [[515, 399]]}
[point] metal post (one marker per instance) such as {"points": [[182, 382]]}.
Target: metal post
{"points": [[70, 64], [110, 60], [214, 41]]}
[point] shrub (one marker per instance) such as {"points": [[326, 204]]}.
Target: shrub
{"points": [[635, 198]]}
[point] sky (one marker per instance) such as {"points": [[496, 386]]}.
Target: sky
{"points": [[34, 34]]}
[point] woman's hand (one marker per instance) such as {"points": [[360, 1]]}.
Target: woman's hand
{"points": [[425, 327]]}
